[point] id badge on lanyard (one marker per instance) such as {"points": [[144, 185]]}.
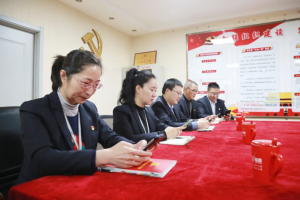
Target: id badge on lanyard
{"points": [[79, 146]]}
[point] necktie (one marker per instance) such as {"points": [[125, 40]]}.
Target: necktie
{"points": [[190, 105], [172, 109]]}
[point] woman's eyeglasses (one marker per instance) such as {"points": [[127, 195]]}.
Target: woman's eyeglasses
{"points": [[96, 86]]}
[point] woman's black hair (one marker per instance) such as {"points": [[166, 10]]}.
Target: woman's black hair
{"points": [[75, 62], [133, 78]]}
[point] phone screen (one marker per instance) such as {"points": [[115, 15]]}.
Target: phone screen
{"points": [[153, 142], [227, 112]]}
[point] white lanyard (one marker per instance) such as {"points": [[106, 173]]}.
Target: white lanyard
{"points": [[72, 133], [142, 122]]}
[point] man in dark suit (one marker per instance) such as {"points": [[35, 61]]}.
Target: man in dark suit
{"points": [[166, 107], [188, 105], [211, 105]]}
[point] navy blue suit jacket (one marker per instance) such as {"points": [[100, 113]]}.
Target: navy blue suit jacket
{"points": [[205, 107], [164, 113], [127, 123], [47, 143], [184, 107]]}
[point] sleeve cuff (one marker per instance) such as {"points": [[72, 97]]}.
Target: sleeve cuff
{"points": [[93, 161], [162, 133], [195, 125]]}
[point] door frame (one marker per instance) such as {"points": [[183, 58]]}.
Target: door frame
{"points": [[38, 33]]}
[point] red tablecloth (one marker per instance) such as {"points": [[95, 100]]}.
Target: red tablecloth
{"points": [[217, 166]]}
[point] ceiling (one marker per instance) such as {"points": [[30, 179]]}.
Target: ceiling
{"points": [[147, 16]]}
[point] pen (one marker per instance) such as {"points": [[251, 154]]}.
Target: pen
{"points": [[179, 138], [105, 170]]}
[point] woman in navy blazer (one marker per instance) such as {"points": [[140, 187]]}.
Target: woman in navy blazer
{"points": [[60, 131], [133, 119]]}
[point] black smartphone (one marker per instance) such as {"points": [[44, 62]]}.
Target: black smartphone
{"points": [[227, 112], [153, 142]]}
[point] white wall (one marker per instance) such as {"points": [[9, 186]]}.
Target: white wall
{"points": [[171, 45], [63, 29]]}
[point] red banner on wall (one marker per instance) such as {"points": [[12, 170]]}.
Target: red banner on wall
{"points": [[240, 36]]}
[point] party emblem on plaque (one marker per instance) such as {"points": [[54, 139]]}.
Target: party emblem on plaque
{"points": [[88, 38], [208, 40]]}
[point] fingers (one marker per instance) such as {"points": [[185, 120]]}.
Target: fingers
{"points": [[127, 144], [140, 145], [129, 163], [140, 153]]}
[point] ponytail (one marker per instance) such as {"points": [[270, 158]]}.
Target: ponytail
{"points": [[55, 73], [133, 78]]}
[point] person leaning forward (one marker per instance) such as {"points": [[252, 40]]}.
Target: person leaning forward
{"points": [[188, 105], [133, 119], [166, 107], [60, 131]]}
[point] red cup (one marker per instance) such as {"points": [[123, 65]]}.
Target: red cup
{"points": [[249, 132], [239, 120], [266, 160], [239, 113]]}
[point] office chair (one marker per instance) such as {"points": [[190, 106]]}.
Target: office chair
{"points": [[11, 149], [108, 120]]}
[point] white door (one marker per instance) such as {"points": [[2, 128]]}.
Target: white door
{"points": [[16, 66]]}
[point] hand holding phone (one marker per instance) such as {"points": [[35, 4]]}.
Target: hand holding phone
{"points": [[153, 142], [186, 123], [227, 112]]}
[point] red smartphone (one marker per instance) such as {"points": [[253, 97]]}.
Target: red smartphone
{"points": [[153, 142]]}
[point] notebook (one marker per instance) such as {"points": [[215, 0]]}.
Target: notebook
{"points": [[210, 128], [153, 167], [180, 140]]}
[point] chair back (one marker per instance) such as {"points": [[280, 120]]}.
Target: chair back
{"points": [[11, 149], [108, 120]]}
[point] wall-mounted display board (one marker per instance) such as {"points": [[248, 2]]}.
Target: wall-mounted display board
{"points": [[257, 67]]}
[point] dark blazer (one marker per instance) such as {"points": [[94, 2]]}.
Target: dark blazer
{"points": [[195, 113], [127, 123], [48, 148], [205, 107], [163, 112]]}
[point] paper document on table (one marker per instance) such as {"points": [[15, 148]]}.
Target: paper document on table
{"points": [[210, 128], [214, 122], [180, 140]]}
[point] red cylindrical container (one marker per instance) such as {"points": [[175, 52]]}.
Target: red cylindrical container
{"points": [[266, 160]]}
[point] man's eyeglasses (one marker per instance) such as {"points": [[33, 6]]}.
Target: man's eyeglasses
{"points": [[96, 86], [179, 93], [194, 91], [214, 93]]}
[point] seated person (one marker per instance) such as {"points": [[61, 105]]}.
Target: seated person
{"points": [[133, 119], [60, 131], [166, 107], [211, 105], [188, 105]]}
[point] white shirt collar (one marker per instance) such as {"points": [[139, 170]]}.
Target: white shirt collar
{"points": [[211, 101]]}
